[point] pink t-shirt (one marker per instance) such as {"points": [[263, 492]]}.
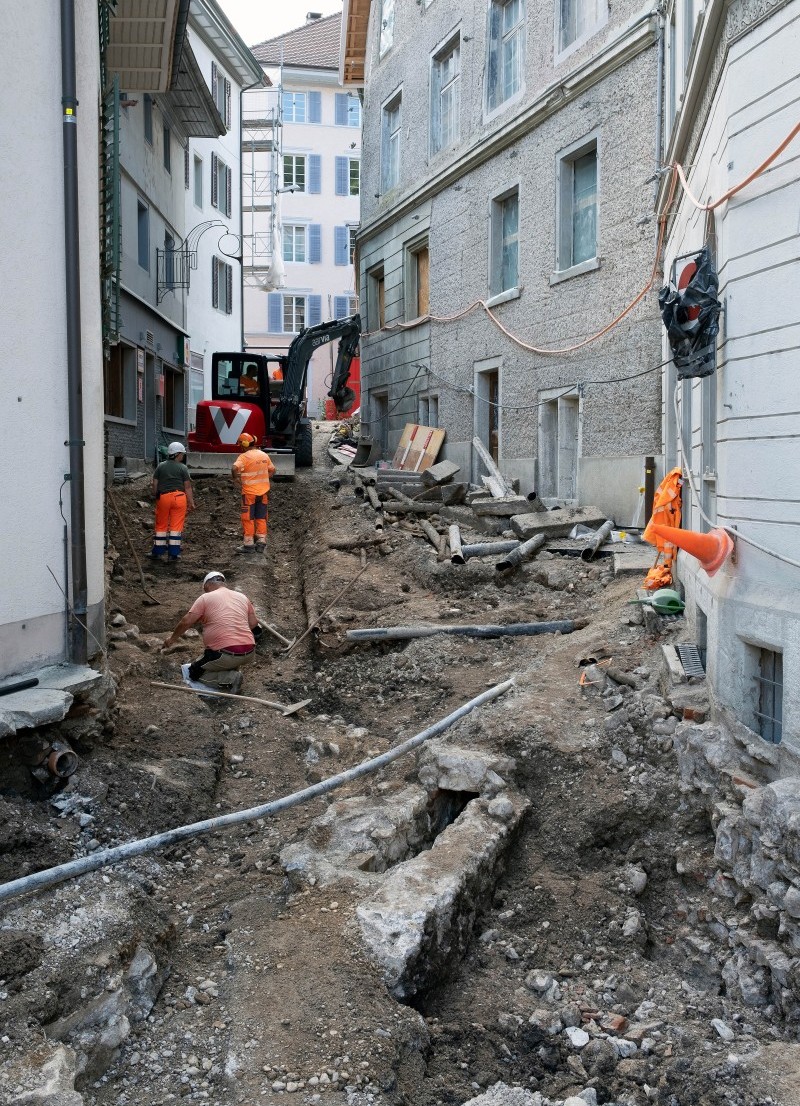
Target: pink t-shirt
{"points": [[225, 616]]}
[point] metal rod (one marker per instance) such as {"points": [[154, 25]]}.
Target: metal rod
{"points": [[516, 629], [601, 537], [322, 614], [79, 650], [102, 858], [525, 552], [118, 513], [19, 685]]}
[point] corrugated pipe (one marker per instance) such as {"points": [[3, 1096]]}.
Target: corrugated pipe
{"points": [[96, 860], [72, 279]]}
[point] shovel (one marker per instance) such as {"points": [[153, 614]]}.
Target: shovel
{"points": [[292, 708]]}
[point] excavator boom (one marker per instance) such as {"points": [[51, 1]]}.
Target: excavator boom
{"points": [[348, 331]]}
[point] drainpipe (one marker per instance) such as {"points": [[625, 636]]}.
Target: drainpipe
{"points": [[78, 652], [659, 106]]}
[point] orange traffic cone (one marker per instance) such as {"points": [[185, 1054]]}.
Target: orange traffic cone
{"points": [[711, 549]]}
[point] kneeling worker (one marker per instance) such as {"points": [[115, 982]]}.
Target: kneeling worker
{"points": [[230, 629], [251, 471]]}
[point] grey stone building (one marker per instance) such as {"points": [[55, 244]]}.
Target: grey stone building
{"points": [[507, 151]]}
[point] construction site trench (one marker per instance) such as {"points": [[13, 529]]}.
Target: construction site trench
{"points": [[524, 911]]}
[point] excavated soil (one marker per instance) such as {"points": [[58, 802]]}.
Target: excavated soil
{"points": [[604, 915]]}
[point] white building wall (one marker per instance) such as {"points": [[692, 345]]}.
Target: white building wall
{"points": [[34, 423], [326, 209], [211, 328], [753, 603]]}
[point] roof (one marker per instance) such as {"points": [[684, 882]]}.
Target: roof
{"points": [[315, 45], [208, 19], [353, 43]]}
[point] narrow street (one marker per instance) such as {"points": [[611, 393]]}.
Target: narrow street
{"points": [[235, 969]]}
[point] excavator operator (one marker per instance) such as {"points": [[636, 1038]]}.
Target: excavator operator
{"points": [[248, 381], [251, 472]]}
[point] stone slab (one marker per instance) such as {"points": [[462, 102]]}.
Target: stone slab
{"points": [[501, 508], [36, 706], [556, 524], [440, 473], [631, 558]]}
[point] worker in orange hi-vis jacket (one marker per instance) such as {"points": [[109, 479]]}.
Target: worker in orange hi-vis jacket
{"points": [[172, 487], [251, 472]]}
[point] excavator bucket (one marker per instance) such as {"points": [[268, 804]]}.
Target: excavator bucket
{"points": [[368, 451]]}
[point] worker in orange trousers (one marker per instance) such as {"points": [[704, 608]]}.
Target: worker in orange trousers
{"points": [[251, 472], [172, 487]]}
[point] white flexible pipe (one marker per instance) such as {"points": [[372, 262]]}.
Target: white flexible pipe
{"points": [[96, 860]]}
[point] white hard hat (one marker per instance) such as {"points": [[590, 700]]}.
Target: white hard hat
{"points": [[175, 447], [209, 576]]}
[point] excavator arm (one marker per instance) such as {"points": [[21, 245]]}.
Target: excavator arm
{"points": [[348, 331]]}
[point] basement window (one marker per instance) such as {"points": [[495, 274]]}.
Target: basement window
{"points": [[769, 685]]}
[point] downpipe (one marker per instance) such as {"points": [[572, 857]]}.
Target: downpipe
{"points": [[78, 651]]}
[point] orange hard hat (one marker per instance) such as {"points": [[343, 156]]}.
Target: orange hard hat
{"points": [[245, 441]]}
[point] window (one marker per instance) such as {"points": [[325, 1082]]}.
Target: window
{"points": [[379, 419], [221, 286], [221, 181], [351, 233], [376, 299], [294, 243], [169, 262], [198, 181], [769, 684], [387, 27], [347, 112], [174, 398], [559, 445], [390, 145], [143, 234], [506, 47], [294, 314], [294, 172], [348, 176], [221, 94], [417, 280], [504, 243], [578, 19], [446, 97], [120, 383], [147, 107], [167, 148], [578, 207], [429, 410], [344, 306], [295, 108]]}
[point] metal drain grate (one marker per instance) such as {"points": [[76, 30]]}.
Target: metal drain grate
{"points": [[690, 659]]}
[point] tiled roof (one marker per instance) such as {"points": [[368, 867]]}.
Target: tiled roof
{"points": [[315, 45]]}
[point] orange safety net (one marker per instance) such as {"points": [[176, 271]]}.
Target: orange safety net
{"points": [[666, 512]]}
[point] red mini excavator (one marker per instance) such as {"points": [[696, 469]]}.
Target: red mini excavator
{"points": [[264, 395]]}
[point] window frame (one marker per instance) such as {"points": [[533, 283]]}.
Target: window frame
{"points": [[297, 231], [296, 159], [413, 251], [290, 303], [437, 140], [559, 399], [565, 209], [221, 285], [142, 247], [294, 98], [495, 56], [562, 50], [496, 241], [376, 297], [174, 374], [197, 183], [390, 142], [128, 384]]}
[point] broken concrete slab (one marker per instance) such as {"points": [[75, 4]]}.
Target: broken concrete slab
{"points": [[464, 516], [631, 558], [455, 769], [421, 917], [503, 507], [556, 523], [441, 473], [36, 706], [73, 678]]}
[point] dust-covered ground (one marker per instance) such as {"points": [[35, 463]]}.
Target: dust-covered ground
{"points": [[593, 964]]}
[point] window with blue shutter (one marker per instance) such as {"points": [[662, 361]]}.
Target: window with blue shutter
{"points": [[341, 242], [340, 113], [315, 107], [314, 173], [315, 243], [340, 304], [275, 313], [342, 176], [314, 310]]}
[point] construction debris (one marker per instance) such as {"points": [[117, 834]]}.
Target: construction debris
{"points": [[556, 523]]}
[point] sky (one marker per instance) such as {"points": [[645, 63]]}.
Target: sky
{"points": [[258, 20]]}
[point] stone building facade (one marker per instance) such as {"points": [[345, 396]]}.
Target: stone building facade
{"points": [[510, 172]]}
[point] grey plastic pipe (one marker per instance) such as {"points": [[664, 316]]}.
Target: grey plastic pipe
{"points": [[515, 629], [85, 864]]}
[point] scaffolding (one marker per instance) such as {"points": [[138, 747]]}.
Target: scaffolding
{"points": [[261, 129]]}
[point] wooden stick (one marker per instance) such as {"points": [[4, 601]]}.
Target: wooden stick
{"points": [[132, 548], [332, 603], [291, 709]]}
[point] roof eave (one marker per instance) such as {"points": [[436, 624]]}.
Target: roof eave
{"points": [[207, 18]]}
